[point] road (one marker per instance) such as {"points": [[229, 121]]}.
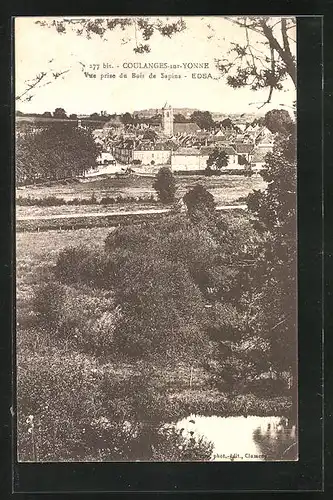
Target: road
{"points": [[116, 214]]}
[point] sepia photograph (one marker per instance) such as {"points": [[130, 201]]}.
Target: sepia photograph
{"points": [[156, 239]]}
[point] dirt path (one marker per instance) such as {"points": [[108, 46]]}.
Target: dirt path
{"points": [[113, 213]]}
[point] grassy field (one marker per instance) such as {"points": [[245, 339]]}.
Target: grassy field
{"points": [[32, 211], [226, 189]]}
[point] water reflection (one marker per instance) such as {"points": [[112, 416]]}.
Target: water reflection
{"points": [[277, 442], [245, 438]]}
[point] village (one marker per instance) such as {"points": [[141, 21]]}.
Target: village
{"points": [[182, 145]]}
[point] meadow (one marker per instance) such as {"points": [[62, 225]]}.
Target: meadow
{"points": [[226, 189]]}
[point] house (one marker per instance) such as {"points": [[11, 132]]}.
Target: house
{"points": [[105, 158], [265, 137], [123, 151], [195, 158], [232, 158], [258, 158], [151, 156], [244, 150], [188, 159]]}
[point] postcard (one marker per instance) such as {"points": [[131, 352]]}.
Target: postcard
{"points": [[156, 239]]}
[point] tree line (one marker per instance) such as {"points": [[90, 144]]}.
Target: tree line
{"points": [[56, 152]]}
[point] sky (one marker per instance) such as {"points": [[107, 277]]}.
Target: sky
{"points": [[40, 48]]}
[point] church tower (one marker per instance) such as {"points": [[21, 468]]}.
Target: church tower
{"points": [[167, 120]]}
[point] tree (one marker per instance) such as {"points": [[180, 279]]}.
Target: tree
{"points": [[203, 118], [47, 114], [127, 118], [95, 116], [165, 185], [56, 152], [199, 202], [218, 159], [278, 120], [179, 118], [73, 116], [275, 216], [266, 57], [59, 113], [227, 123]]}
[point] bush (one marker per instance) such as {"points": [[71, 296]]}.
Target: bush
{"points": [[165, 185], [162, 309], [173, 446], [49, 201], [69, 265], [53, 408], [74, 201], [70, 409], [199, 202], [132, 239], [47, 304], [233, 373], [107, 200], [75, 264], [85, 318]]}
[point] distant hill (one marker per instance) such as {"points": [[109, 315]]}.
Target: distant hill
{"points": [[217, 115], [148, 113]]}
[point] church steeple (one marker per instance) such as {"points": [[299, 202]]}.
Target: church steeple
{"points": [[167, 119]]}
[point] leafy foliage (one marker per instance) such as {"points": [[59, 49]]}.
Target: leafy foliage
{"points": [[275, 211], [56, 152], [265, 58], [279, 120], [218, 159], [59, 113], [71, 410], [199, 202], [165, 185], [203, 118]]}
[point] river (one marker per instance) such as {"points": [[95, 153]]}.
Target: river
{"points": [[244, 438]]}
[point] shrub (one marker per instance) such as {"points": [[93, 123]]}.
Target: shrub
{"points": [[131, 238], [48, 302], [165, 185], [80, 264], [107, 200], [226, 323], [52, 397], [49, 201], [162, 309], [74, 201], [199, 202], [71, 409], [69, 265], [86, 318], [173, 446]]}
